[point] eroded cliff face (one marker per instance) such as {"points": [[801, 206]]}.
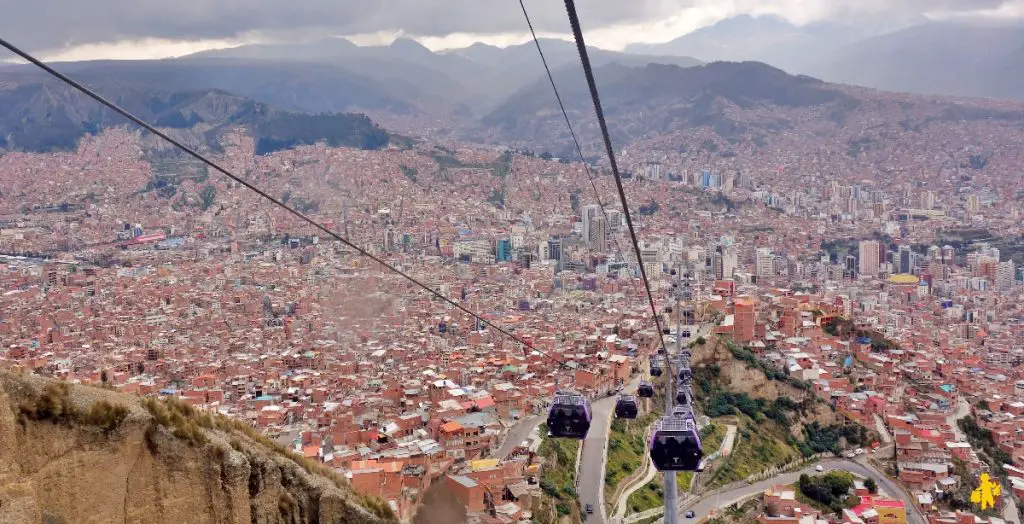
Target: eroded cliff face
{"points": [[738, 376], [66, 470]]}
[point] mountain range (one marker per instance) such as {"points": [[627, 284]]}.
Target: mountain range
{"points": [[943, 58], [38, 113], [403, 85], [501, 95], [640, 102]]}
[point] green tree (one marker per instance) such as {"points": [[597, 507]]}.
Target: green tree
{"points": [[103, 376], [207, 195], [871, 485]]}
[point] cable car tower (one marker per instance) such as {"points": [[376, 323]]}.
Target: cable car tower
{"points": [[675, 441]]}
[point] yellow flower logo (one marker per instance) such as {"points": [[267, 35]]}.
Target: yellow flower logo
{"points": [[986, 493]]}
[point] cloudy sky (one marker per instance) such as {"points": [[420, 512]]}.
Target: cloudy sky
{"points": [[85, 29]]}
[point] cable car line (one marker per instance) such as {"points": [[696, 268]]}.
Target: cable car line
{"points": [[572, 133], [581, 46], [138, 121]]}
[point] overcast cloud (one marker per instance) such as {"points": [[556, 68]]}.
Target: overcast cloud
{"points": [[50, 25]]}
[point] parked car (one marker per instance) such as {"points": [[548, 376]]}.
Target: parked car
{"points": [[859, 451], [690, 514]]}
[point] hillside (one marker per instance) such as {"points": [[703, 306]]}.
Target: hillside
{"points": [[471, 80], [779, 419], [767, 38], [935, 58], [645, 101], [40, 114], [81, 454]]}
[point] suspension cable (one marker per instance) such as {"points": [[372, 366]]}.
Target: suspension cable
{"points": [[581, 46]]}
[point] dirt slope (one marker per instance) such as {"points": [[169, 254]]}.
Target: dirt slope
{"points": [[73, 455]]}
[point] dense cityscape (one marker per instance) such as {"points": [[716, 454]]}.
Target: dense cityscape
{"points": [[852, 324]]}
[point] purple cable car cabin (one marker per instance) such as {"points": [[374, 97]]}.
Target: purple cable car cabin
{"points": [[675, 443], [569, 416]]}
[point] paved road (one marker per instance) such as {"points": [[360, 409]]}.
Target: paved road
{"points": [[882, 430], [1010, 513], [730, 437], [962, 410], [517, 435], [620, 507], [591, 477], [703, 506]]}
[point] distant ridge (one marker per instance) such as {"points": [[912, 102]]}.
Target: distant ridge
{"points": [[46, 115]]}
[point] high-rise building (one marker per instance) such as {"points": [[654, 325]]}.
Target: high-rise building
{"points": [[1005, 275], [597, 234], [948, 254], [555, 249], [724, 261], [867, 253], [928, 200], [850, 266], [905, 260], [503, 250], [764, 263], [590, 213], [973, 203]]}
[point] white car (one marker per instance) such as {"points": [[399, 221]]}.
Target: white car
{"points": [[859, 451], [818, 468]]}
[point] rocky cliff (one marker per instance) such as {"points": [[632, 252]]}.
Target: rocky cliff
{"points": [[743, 376], [75, 454]]}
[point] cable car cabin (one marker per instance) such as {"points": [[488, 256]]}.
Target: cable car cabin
{"points": [[569, 416], [626, 407], [686, 374], [645, 390], [684, 395], [656, 369], [675, 444]]}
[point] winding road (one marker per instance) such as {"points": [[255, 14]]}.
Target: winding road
{"points": [[517, 435], [590, 483], [715, 500]]}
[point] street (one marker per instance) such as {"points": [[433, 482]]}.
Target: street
{"points": [[719, 499], [961, 410], [590, 486], [517, 435]]}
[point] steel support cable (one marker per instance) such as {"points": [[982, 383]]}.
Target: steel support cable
{"points": [[138, 121], [581, 46], [572, 133]]}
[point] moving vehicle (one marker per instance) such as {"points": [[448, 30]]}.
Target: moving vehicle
{"points": [[569, 416], [626, 407], [590, 508], [675, 442], [690, 514], [818, 468]]}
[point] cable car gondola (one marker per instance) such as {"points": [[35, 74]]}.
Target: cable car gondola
{"points": [[569, 416], [656, 369], [684, 395], [645, 390], [626, 407], [685, 374], [675, 443]]}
